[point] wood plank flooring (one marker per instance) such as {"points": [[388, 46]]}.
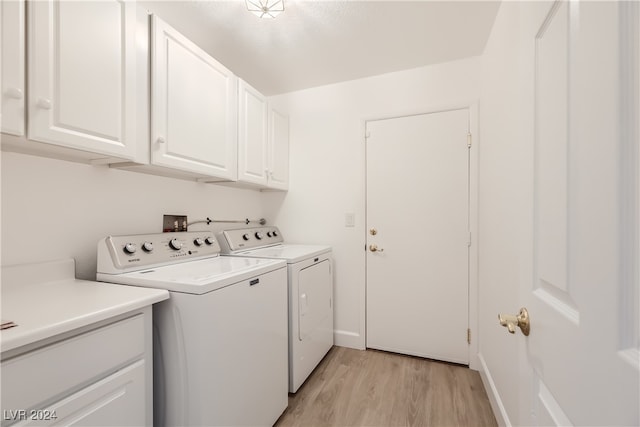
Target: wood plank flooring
{"points": [[374, 388]]}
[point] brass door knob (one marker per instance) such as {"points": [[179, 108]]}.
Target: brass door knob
{"points": [[521, 320], [374, 248]]}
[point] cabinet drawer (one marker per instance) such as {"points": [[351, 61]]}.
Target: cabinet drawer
{"points": [[117, 400], [41, 376]]}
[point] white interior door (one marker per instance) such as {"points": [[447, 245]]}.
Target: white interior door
{"points": [[418, 219], [581, 258]]}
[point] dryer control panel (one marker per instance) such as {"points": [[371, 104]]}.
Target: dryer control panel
{"points": [[117, 254], [242, 239]]}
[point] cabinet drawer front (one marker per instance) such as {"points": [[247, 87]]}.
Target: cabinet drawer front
{"points": [[117, 400], [42, 375]]}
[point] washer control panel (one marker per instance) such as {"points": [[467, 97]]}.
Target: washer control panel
{"points": [[118, 253], [249, 238]]}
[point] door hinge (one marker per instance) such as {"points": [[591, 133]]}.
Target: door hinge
{"points": [[469, 240], [468, 336], [367, 135], [469, 140]]}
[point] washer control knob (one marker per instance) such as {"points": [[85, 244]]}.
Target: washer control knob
{"points": [[245, 236], [259, 235], [130, 248], [198, 241], [269, 234], [147, 246], [275, 233], [175, 244], [209, 240]]}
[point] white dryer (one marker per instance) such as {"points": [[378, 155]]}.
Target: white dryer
{"points": [[220, 340], [310, 278]]}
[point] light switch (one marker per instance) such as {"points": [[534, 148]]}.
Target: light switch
{"points": [[349, 220]]}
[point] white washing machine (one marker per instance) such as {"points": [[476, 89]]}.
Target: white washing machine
{"points": [[220, 340], [310, 277]]}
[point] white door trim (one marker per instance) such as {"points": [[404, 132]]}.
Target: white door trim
{"points": [[473, 221]]}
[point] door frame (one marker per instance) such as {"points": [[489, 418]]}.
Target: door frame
{"points": [[472, 106]]}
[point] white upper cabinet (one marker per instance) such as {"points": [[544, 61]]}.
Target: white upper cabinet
{"points": [[278, 150], [82, 75], [13, 67], [263, 141], [252, 136], [193, 107]]}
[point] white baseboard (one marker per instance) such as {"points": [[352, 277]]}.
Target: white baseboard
{"points": [[494, 397], [348, 339]]}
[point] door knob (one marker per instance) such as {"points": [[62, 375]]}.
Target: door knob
{"points": [[521, 320], [374, 248]]}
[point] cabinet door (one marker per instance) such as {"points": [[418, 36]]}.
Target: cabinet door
{"points": [[252, 135], [13, 64], [278, 150], [81, 76], [193, 107]]}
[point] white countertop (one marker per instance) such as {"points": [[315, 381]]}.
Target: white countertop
{"points": [[45, 300]]}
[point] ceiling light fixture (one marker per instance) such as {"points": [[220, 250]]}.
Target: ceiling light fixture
{"points": [[265, 8]]}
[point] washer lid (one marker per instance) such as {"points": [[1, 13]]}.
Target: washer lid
{"points": [[197, 277], [290, 252]]}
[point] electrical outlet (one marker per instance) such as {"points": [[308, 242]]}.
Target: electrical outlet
{"points": [[172, 223]]}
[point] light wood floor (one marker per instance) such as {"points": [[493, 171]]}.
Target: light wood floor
{"points": [[375, 388]]}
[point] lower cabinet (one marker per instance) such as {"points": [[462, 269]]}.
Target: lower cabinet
{"points": [[99, 377]]}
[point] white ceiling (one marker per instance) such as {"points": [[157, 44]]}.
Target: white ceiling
{"points": [[313, 43]]}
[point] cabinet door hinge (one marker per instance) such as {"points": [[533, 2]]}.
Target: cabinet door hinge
{"points": [[468, 336], [469, 140]]}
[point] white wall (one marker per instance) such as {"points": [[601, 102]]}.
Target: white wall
{"points": [[327, 156], [54, 209]]}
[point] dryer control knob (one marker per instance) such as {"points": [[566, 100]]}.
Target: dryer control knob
{"points": [[259, 235], [147, 246], [209, 240], [269, 234], [275, 233], [130, 248], [245, 236], [198, 241], [175, 244]]}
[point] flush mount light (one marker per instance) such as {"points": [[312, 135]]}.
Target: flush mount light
{"points": [[265, 8]]}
